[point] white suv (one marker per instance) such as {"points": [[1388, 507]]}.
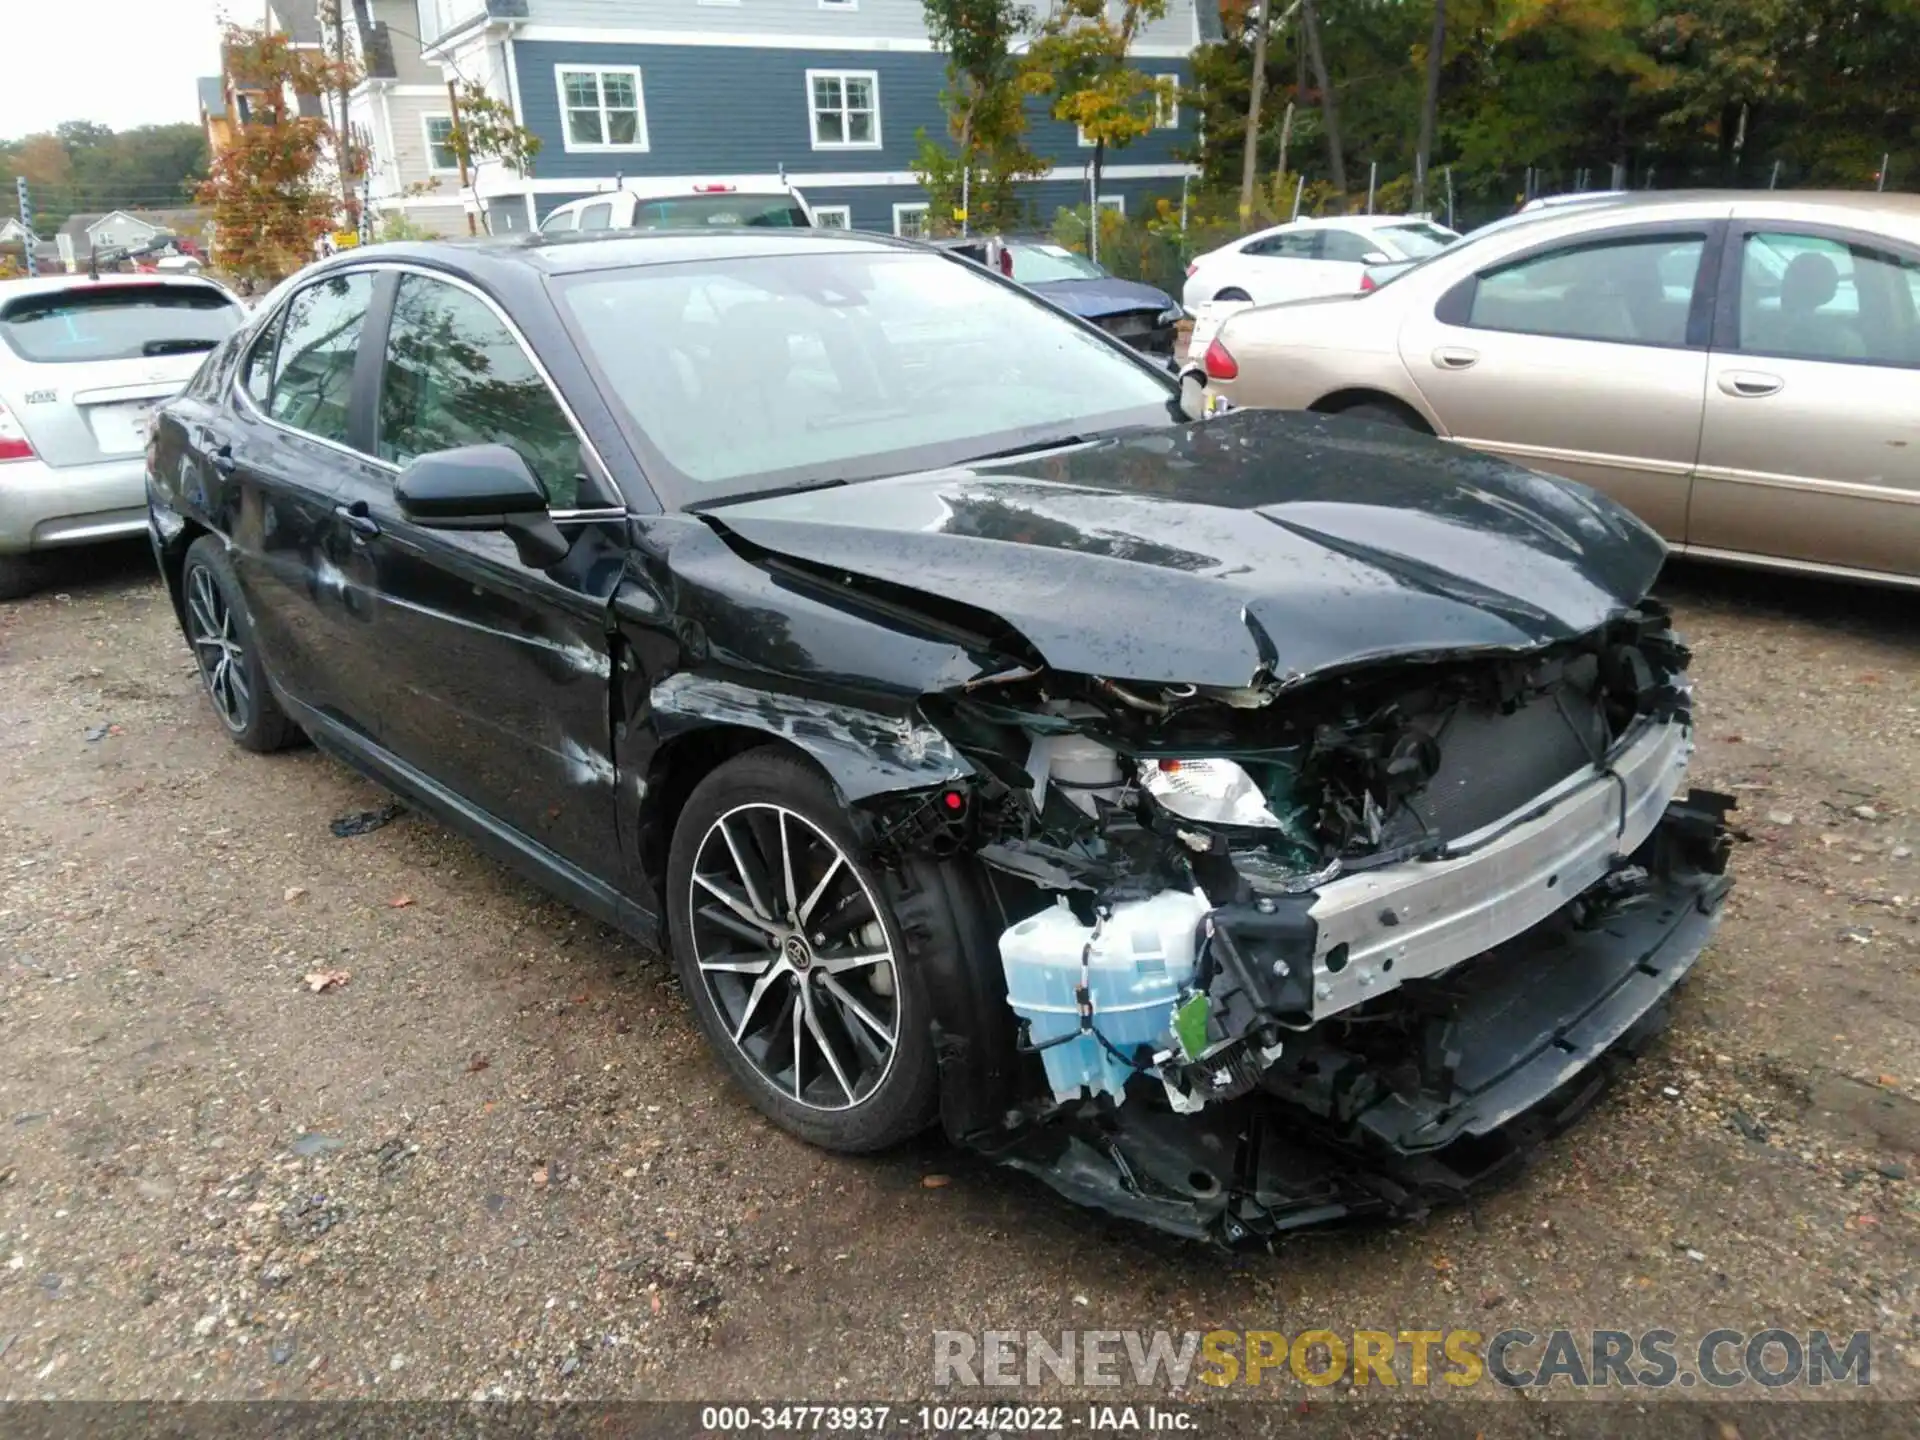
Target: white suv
{"points": [[638, 205], [82, 361]]}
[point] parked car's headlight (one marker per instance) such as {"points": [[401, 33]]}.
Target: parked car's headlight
{"points": [[1210, 791], [1169, 317]]}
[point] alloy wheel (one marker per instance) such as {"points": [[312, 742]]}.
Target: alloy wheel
{"points": [[216, 645], [794, 956]]}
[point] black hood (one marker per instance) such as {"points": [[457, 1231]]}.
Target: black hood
{"points": [[1254, 544]]}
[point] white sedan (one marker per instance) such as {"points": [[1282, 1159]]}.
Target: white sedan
{"points": [[1310, 257]]}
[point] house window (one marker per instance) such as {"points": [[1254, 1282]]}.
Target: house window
{"points": [[833, 217], [1116, 203], [846, 109], [1080, 134], [441, 159], [1166, 110], [910, 221], [602, 107]]}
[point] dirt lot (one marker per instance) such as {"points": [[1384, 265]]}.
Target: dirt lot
{"points": [[498, 1161]]}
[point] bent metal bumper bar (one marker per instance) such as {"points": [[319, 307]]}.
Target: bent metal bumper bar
{"points": [[1380, 928]]}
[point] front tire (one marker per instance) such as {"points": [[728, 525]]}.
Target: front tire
{"points": [[220, 632], [793, 961]]}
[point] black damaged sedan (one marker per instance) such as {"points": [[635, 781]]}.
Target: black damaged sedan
{"points": [[1238, 822]]}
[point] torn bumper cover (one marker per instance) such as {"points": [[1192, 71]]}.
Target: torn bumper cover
{"points": [[1416, 1100]]}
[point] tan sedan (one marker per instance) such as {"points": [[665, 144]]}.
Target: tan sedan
{"points": [[1742, 370]]}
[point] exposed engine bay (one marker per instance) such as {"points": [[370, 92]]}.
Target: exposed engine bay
{"points": [[1283, 953]]}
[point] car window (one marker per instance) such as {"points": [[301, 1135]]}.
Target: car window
{"points": [[1816, 298], [1635, 290], [313, 367], [1295, 245], [558, 221], [107, 321], [1348, 248], [597, 217], [456, 375], [256, 374], [759, 372], [779, 212]]}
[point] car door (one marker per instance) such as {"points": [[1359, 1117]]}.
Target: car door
{"points": [[1278, 267], [1583, 357], [493, 678], [1810, 448], [281, 453]]}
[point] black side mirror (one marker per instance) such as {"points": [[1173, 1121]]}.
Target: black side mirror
{"points": [[482, 487]]}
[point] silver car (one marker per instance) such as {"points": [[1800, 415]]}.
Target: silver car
{"points": [[82, 361]]}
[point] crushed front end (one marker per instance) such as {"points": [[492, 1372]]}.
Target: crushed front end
{"points": [[1296, 951]]}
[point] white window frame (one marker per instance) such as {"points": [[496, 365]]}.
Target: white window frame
{"points": [[1166, 113], [1080, 134], [903, 208], [1115, 203], [845, 212], [640, 131], [872, 77], [426, 134]]}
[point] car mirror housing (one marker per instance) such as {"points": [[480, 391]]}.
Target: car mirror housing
{"points": [[1376, 257], [482, 487]]}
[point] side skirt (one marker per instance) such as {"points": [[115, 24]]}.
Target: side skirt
{"points": [[510, 847]]}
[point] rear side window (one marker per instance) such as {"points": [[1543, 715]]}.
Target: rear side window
{"points": [[779, 212], [256, 375], [1347, 248], [313, 366], [1635, 290], [597, 217], [102, 320], [558, 221]]}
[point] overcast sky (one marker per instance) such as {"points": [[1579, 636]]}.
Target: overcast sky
{"points": [[120, 62]]}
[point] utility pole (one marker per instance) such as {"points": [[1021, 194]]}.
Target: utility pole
{"points": [[460, 152], [340, 94], [1429, 106], [1251, 159], [26, 221]]}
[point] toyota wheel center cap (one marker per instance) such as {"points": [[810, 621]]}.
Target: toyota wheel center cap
{"points": [[798, 955]]}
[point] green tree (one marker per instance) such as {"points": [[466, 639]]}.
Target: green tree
{"points": [[986, 114], [1079, 61]]}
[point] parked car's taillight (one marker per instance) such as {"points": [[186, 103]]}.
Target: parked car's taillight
{"points": [[1193, 268], [1219, 363], [1366, 282], [14, 444]]}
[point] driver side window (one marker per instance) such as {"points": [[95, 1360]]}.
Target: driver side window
{"points": [[456, 375]]}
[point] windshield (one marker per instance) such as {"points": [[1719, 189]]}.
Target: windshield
{"points": [[1418, 240], [102, 320], [780, 211], [1037, 264], [777, 371]]}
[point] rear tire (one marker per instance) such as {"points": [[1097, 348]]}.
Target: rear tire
{"points": [[20, 576], [854, 1070], [1234, 292], [220, 632]]}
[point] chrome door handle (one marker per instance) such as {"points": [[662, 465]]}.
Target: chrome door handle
{"points": [[1750, 384], [1455, 357], [357, 519]]}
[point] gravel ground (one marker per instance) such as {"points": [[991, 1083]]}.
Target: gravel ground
{"points": [[499, 1162]]}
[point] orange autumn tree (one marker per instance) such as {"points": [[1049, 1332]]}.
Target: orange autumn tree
{"points": [[271, 188]]}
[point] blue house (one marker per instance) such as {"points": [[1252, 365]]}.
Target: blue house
{"points": [[829, 94]]}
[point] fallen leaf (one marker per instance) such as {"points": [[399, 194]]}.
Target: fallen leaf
{"points": [[934, 1182], [400, 902], [293, 893], [318, 980], [1890, 1081], [656, 1304], [477, 1064], [540, 1176]]}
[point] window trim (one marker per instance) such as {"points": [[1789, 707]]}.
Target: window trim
{"points": [[426, 133], [1455, 304], [908, 207], [1167, 116], [374, 358], [845, 212], [1726, 313], [1116, 203], [642, 141], [872, 77]]}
